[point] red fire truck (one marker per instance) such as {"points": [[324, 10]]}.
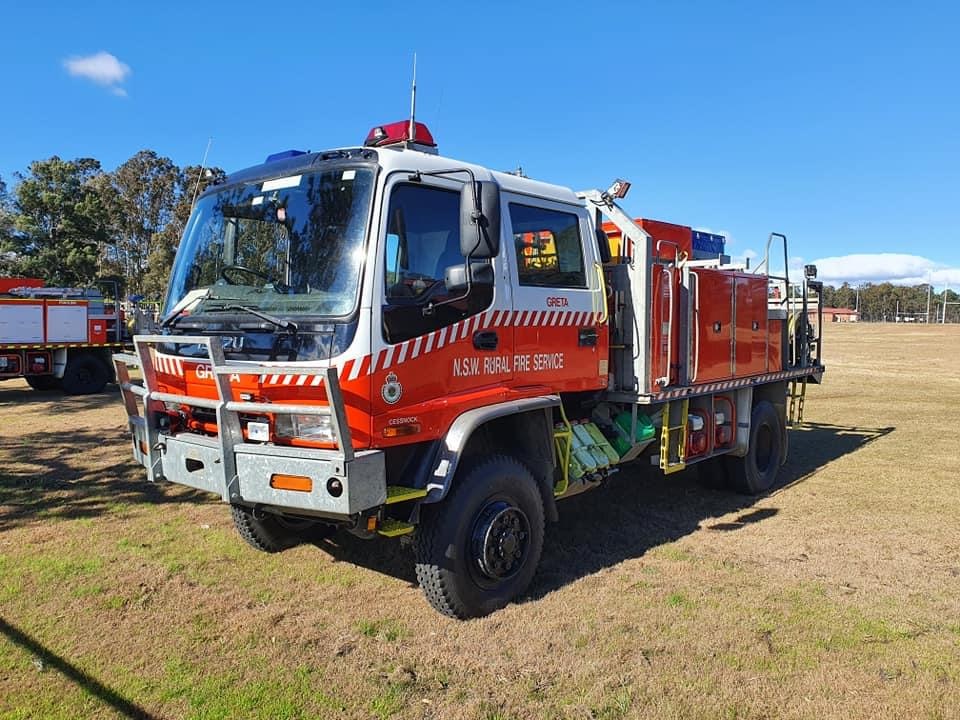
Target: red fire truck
{"points": [[57, 338], [391, 342]]}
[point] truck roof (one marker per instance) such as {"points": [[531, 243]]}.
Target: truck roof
{"points": [[394, 159]]}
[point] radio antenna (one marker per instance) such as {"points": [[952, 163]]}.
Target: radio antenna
{"points": [[411, 132], [203, 166]]}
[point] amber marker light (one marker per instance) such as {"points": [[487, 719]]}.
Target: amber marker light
{"points": [[395, 431], [297, 483]]}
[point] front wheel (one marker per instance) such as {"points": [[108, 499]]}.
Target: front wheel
{"points": [[269, 533], [479, 548], [757, 471]]}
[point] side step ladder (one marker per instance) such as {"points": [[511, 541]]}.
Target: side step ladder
{"points": [[398, 494], [673, 437], [795, 416]]}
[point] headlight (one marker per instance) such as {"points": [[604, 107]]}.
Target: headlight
{"points": [[306, 427]]}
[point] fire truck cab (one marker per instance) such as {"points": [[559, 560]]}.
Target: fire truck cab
{"points": [[388, 341]]}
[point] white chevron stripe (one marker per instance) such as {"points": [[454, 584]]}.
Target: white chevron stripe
{"points": [[416, 347], [355, 368]]}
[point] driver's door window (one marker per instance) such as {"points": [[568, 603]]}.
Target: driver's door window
{"points": [[422, 241]]}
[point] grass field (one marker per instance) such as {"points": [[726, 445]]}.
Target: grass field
{"points": [[836, 596]]}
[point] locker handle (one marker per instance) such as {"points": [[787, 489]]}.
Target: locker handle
{"points": [[587, 337]]}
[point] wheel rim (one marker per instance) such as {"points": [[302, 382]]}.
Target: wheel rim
{"points": [[764, 447], [84, 375], [500, 540]]}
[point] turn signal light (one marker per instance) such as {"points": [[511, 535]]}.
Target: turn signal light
{"points": [[394, 431], [298, 483]]}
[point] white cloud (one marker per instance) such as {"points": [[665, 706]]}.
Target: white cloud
{"points": [[896, 268], [102, 68]]}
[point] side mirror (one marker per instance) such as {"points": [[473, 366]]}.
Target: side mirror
{"points": [[480, 226], [455, 276]]}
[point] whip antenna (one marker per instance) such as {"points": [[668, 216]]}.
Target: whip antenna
{"points": [[411, 132]]}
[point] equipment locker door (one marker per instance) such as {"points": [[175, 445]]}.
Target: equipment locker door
{"points": [[712, 352]]}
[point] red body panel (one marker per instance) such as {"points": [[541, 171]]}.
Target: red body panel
{"points": [[8, 284], [713, 326], [664, 233]]}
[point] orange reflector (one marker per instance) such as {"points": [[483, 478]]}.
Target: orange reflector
{"points": [[401, 430], [143, 448], [299, 483], [371, 523]]}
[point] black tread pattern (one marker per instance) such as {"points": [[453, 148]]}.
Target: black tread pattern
{"points": [[264, 534], [430, 547]]}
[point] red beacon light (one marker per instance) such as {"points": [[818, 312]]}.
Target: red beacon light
{"points": [[399, 133]]}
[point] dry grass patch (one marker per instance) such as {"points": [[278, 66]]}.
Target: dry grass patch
{"points": [[837, 595]]}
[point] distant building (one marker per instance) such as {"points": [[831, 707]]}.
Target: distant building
{"points": [[831, 315]]}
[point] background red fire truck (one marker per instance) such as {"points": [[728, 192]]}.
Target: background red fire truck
{"points": [[387, 341], [57, 338]]}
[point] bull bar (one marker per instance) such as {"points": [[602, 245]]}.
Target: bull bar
{"points": [[240, 471]]}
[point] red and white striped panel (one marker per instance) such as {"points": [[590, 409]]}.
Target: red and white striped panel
{"points": [[396, 355], [168, 364]]}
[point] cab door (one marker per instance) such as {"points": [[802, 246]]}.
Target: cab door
{"points": [[557, 295], [432, 348]]}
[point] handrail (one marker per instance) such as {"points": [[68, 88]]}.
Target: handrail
{"points": [[696, 326], [603, 294], [666, 379]]}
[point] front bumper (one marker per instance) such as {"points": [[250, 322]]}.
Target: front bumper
{"points": [[239, 471], [197, 461]]}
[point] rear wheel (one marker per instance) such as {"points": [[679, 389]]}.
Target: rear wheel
{"points": [[479, 548], [757, 471], [43, 383], [85, 374], [268, 533]]}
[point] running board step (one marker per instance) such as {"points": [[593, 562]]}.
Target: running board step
{"points": [[401, 493], [394, 528]]}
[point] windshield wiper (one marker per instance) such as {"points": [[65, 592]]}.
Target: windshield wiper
{"points": [[188, 302], [288, 325]]}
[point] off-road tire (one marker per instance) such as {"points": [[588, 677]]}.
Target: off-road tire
{"points": [[267, 533], [85, 374], [449, 567], [44, 383], [757, 471]]}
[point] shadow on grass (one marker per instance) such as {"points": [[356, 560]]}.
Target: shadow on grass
{"points": [[44, 658], [637, 510], [61, 476], [22, 396]]}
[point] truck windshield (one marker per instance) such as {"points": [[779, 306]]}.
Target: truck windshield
{"points": [[287, 246]]}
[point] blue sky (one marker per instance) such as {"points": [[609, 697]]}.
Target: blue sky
{"points": [[836, 123]]}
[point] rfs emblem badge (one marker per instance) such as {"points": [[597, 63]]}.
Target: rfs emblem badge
{"points": [[391, 390]]}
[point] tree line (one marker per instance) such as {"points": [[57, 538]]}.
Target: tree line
{"points": [[886, 301], [72, 223]]}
